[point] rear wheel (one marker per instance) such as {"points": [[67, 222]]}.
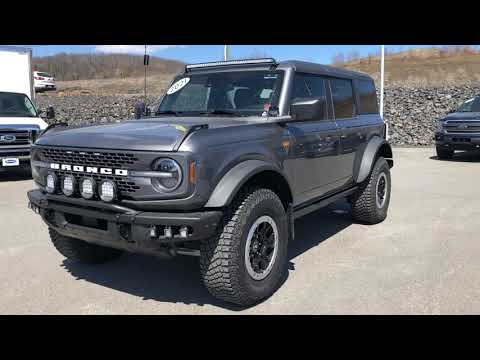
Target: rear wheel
{"points": [[245, 263], [370, 203], [81, 251], [443, 153]]}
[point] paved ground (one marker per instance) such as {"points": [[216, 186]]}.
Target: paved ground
{"points": [[423, 259]]}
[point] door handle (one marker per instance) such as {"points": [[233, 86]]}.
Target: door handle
{"points": [[343, 136]]}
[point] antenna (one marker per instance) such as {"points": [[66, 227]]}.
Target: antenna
{"points": [[146, 60]]}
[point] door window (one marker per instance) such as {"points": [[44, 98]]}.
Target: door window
{"points": [[306, 87], [342, 95]]}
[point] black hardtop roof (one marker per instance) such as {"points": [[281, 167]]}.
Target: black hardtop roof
{"points": [[296, 65], [313, 68]]}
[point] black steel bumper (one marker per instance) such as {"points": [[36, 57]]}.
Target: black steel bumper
{"points": [[120, 227], [458, 141]]}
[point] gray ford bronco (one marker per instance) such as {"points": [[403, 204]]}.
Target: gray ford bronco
{"points": [[233, 153]]}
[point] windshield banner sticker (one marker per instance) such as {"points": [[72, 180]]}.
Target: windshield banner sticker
{"points": [[178, 85]]}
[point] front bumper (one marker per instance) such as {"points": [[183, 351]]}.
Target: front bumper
{"points": [[120, 227], [461, 141]]}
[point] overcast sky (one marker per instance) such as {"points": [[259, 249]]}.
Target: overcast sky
{"points": [[200, 53]]}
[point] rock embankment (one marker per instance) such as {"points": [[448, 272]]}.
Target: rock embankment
{"points": [[410, 112]]}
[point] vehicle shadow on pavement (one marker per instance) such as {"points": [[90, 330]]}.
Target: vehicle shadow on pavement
{"points": [[178, 280], [467, 156], [16, 175]]}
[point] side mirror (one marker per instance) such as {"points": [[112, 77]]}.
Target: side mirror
{"points": [[140, 109], [50, 113], [304, 110]]}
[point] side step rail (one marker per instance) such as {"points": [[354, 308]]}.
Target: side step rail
{"points": [[303, 210]]}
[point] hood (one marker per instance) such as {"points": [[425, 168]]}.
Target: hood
{"points": [[153, 134], [463, 116], [12, 122]]}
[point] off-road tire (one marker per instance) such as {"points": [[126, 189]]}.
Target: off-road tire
{"points": [[81, 251], [443, 153], [364, 202], [222, 258]]}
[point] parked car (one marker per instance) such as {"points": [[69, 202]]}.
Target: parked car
{"points": [[20, 122], [459, 130], [233, 154], [43, 81]]}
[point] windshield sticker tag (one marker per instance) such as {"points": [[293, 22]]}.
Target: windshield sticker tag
{"points": [[178, 85]]}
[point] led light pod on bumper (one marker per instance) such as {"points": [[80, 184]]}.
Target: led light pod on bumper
{"points": [[51, 183], [68, 185], [87, 188], [107, 191], [169, 174]]}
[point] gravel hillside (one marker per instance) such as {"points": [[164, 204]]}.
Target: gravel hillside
{"points": [[411, 112]]}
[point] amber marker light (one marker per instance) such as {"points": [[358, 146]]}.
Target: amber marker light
{"points": [[192, 176]]}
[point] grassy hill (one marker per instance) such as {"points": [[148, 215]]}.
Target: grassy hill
{"points": [[423, 67]]}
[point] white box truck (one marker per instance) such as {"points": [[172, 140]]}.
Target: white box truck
{"points": [[20, 122]]}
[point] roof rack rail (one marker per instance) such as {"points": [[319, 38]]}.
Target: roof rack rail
{"points": [[231, 62]]}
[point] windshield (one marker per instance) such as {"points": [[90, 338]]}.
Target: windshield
{"points": [[12, 104], [240, 93], [472, 105]]}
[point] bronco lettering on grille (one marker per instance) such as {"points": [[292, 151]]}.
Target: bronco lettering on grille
{"points": [[89, 169]]}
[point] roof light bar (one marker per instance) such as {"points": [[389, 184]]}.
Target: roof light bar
{"points": [[231, 62]]}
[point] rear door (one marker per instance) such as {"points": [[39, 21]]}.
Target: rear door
{"points": [[316, 143], [351, 126]]}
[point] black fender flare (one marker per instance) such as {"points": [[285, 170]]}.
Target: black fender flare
{"points": [[369, 155], [235, 178]]}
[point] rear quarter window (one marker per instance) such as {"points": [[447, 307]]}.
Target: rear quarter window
{"points": [[367, 96]]}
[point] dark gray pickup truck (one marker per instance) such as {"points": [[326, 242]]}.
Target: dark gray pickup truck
{"points": [[234, 152], [459, 130]]}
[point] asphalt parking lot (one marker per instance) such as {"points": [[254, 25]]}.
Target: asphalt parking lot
{"points": [[424, 259]]}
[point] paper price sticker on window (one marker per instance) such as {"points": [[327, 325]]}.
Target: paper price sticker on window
{"points": [[178, 85]]}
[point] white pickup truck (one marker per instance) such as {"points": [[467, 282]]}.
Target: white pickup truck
{"points": [[20, 122]]}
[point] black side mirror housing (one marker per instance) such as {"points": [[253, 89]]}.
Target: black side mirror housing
{"points": [[311, 109], [50, 113]]}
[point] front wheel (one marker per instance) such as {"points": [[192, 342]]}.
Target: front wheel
{"points": [[370, 203], [443, 153], [244, 264], [81, 251]]}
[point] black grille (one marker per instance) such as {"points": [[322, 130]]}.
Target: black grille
{"points": [[463, 127], [115, 160], [90, 158], [19, 137]]}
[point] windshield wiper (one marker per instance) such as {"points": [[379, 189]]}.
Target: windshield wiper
{"points": [[218, 112], [168, 112]]}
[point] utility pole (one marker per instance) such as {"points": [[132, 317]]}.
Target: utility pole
{"points": [[225, 53]]}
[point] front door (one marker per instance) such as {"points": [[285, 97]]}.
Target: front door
{"points": [[316, 144]]}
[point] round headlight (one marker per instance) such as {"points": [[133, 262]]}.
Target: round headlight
{"points": [[169, 174], [51, 183], [87, 188], [68, 185], [107, 191]]}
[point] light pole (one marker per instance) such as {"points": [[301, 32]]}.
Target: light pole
{"points": [[382, 80], [225, 52]]}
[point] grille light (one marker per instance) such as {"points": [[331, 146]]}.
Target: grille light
{"points": [[51, 183], [232, 62], [68, 185], [87, 188], [107, 191]]}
